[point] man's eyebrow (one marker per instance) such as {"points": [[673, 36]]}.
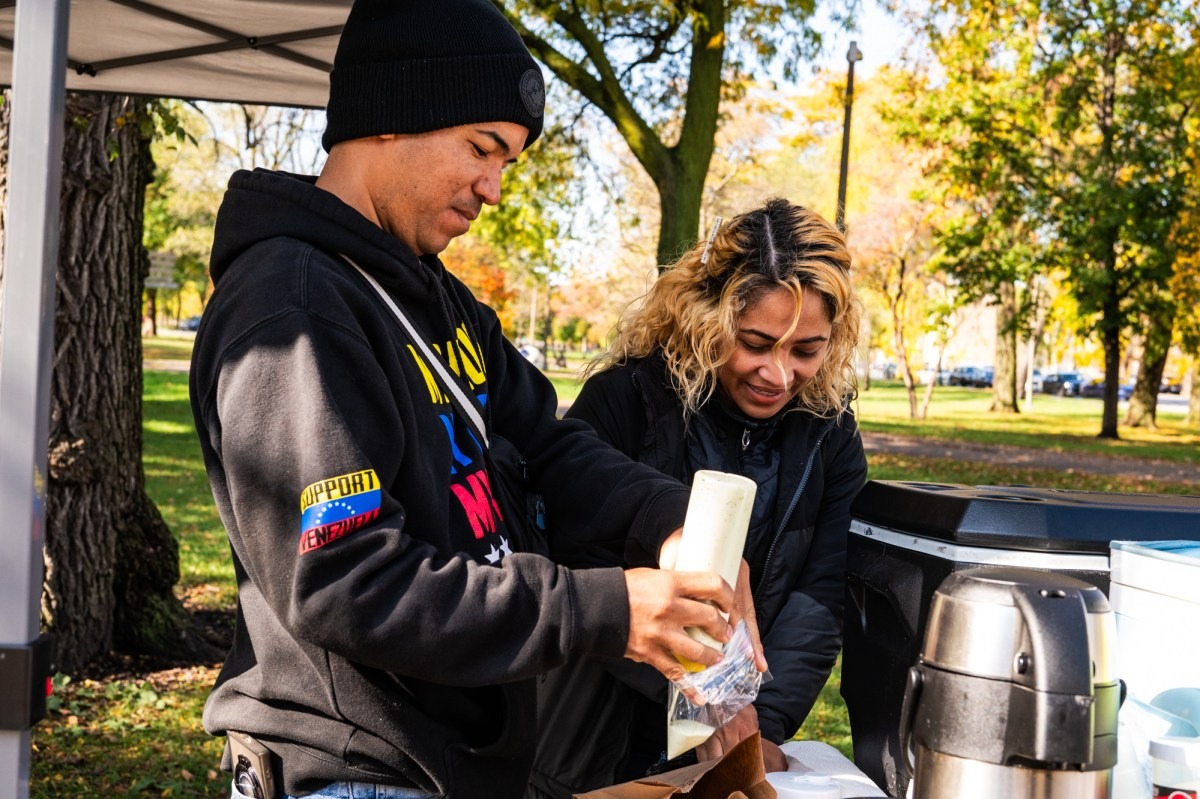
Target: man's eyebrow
{"points": [[497, 138]]}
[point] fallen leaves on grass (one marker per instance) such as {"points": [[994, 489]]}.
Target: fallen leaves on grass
{"points": [[129, 735]]}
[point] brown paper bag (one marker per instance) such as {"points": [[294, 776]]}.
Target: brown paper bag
{"points": [[736, 775]]}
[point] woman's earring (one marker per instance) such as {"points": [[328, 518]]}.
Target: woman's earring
{"points": [[708, 245]]}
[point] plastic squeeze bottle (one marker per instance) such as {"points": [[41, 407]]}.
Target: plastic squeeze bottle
{"points": [[714, 531], [714, 535]]}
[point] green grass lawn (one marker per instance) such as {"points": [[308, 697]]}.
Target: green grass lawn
{"points": [[1067, 424], [176, 480], [1064, 424], [140, 735], [168, 346]]}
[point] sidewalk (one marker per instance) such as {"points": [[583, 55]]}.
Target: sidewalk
{"points": [[1030, 457], [150, 365], [1033, 458]]}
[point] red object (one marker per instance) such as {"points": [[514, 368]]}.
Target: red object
{"points": [[49, 686]]}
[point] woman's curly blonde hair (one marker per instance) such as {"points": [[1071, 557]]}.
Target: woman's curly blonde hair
{"points": [[692, 312]]}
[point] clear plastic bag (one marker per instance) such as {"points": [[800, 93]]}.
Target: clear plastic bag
{"points": [[702, 701]]}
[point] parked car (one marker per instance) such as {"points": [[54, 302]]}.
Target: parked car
{"points": [[1095, 389], [974, 376], [191, 323], [533, 354], [941, 378], [960, 375], [883, 371], [1035, 381], [1064, 384], [1170, 387]]}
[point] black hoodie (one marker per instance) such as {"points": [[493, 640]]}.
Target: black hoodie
{"points": [[386, 632]]}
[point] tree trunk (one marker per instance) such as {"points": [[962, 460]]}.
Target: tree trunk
{"points": [[896, 305], [1143, 403], [111, 562], [1004, 373], [1110, 337], [152, 310], [937, 370], [1041, 305], [680, 192], [1191, 385], [906, 375]]}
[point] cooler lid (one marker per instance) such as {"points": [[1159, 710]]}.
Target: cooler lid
{"points": [[1164, 568], [1026, 518]]}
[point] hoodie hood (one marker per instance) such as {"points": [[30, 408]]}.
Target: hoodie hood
{"points": [[264, 204]]}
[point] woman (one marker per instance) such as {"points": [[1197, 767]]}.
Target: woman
{"points": [[740, 359]]}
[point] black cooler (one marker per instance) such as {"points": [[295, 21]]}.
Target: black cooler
{"points": [[905, 538]]}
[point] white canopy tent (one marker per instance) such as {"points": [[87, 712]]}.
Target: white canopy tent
{"points": [[276, 52]]}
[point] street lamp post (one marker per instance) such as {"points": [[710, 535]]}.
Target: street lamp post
{"points": [[853, 55]]}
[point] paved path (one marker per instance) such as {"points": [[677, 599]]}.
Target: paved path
{"points": [[165, 365], [1034, 458]]}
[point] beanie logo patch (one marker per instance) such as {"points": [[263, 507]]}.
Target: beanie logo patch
{"points": [[533, 92]]}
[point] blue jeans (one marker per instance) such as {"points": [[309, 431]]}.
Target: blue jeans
{"points": [[354, 790]]}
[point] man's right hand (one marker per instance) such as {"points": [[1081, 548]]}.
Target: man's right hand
{"points": [[661, 604]]}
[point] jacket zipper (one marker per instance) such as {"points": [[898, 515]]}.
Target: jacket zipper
{"points": [[792, 506]]}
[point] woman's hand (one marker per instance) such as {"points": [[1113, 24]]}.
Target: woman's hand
{"points": [[743, 610], [738, 729], [773, 757]]}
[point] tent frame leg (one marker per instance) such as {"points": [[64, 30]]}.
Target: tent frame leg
{"points": [[27, 335]]}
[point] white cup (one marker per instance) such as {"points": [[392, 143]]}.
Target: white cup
{"points": [[1176, 765]]}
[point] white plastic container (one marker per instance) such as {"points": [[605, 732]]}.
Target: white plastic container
{"points": [[789, 785], [714, 535], [1155, 596], [1176, 767], [714, 529]]}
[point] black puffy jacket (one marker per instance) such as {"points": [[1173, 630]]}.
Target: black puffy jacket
{"points": [[796, 549]]}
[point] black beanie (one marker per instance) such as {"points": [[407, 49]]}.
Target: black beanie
{"points": [[413, 66]]}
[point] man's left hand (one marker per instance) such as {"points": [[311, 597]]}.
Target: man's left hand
{"points": [[743, 603]]}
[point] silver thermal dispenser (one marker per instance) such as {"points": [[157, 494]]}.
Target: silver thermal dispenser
{"points": [[1014, 694]]}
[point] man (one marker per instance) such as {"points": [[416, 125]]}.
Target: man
{"points": [[387, 635]]}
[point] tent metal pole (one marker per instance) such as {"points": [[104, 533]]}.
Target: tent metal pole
{"points": [[26, 338]]}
